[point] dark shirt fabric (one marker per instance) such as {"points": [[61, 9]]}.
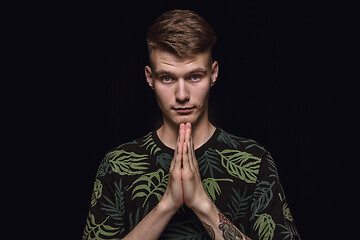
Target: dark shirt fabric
{"points": [[238, 175]]}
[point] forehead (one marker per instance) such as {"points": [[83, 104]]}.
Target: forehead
{"points": [[164, 60]]}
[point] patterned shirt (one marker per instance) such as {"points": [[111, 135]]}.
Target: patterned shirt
{"points": [[238, 175]]}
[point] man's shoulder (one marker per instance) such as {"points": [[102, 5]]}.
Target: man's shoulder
{"points": [[141, 146], [130, 158], [236, 143]]}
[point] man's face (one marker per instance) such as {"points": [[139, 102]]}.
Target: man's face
{"points": [[182, 85]]}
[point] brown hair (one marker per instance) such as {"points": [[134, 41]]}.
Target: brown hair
{"points": [[181, 32]]}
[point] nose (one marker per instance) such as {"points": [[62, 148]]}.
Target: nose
{"points": [[182, 94]]}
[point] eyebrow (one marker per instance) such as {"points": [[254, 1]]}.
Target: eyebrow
{"points": [[196, 70]]}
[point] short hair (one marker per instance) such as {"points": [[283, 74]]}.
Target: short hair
{"points": [[181, 32]]}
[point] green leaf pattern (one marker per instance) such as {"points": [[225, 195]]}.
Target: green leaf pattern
{"points": [[209, 163], [265, 226], [150, 145], [240, 164], [97, 191], [164, 160], [128, 163], [212, 187], [150, 184], [100, 231], [238, 206], [115, 207], [262, 197]]}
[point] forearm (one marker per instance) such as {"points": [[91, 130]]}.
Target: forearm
{"points": [[153, 224], [217, 225]]}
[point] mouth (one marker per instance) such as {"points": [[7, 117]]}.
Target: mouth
{"points": [[184, 110]]}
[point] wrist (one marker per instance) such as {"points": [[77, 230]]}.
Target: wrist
{"points": [[204, 207], [166, 207]]}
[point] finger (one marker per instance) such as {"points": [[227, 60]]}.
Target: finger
{"points": [[172, 164], [190, 146], [182, 133], [177, 157], [178, 138], [187, 132], [191, 154], [185, 158], [176, 148]]}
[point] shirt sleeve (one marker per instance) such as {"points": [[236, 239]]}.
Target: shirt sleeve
{"points": [[270, 216], [107, 209]]}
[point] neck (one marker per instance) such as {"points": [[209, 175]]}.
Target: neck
{"points": [[201, 133]]}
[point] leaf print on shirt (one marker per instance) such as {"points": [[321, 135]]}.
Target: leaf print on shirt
{"points": [[99, 231], [238, 207], [115, 207], [135, 217], [212, 187], [154, 184], [289, 231], [209, 161], [127, 163], [272, 167], [96, 192], [286, 212], [105, 167], [164, 159], [150, 144], [240, 164], [265, 226], [262, 196], [228, 139]]}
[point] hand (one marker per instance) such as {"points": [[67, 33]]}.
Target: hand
{"points": [[173, 196], [195, 196], [184, 185]]}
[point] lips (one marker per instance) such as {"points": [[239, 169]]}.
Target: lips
{"points": [[184, 110]]}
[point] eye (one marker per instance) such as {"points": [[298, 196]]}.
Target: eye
{"points": [[166, 79], [195, 77]]}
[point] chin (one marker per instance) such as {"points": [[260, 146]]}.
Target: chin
{"points": [[175, 119], [185, 119]]}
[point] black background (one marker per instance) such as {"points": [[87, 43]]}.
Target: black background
{"points": [[277, 84]]}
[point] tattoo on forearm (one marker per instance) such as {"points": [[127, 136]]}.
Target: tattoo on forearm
{"points": [[230, 232], [209, 230]]}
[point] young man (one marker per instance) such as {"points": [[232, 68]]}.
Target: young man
{"points": [[188, 179]]}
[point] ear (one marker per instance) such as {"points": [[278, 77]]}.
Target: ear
{"points": [[214, 72], [149, 77]]}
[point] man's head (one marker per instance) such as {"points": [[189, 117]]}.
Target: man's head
{"points": [[181, 71], [181, 32]]}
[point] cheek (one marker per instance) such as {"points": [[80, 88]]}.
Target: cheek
{"points": [[163, 96], [201, 94]]}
